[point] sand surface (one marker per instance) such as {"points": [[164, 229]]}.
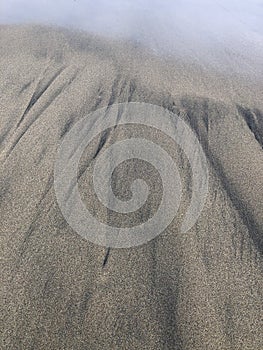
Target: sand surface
{"points": [[201, 290]]}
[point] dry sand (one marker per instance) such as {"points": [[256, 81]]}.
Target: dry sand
{"points": [[201, 290]]}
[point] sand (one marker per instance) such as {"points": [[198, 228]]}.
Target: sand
{"points": [[200, 290]]}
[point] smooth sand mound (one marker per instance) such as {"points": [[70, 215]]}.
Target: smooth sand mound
{"points": [[201, 290]]}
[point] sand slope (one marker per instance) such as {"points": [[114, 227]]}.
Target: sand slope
{"points": [[202, 290]]}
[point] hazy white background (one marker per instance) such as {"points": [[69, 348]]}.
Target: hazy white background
{"points": [[224, 32]]}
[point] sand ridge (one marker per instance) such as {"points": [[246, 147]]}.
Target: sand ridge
{"points": [[202, 290]]}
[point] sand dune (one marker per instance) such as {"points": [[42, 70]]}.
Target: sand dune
{"points": [[201, 290]]}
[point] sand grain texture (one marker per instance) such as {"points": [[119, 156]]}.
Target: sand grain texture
{"points": [[202, 290]]}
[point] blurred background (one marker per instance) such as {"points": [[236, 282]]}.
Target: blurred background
{"points": [[217, 31]]}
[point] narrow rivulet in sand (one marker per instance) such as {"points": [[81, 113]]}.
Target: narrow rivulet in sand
{"points": [[201, 290]]}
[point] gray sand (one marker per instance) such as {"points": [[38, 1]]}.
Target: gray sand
{"points": [[201, 290]]}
